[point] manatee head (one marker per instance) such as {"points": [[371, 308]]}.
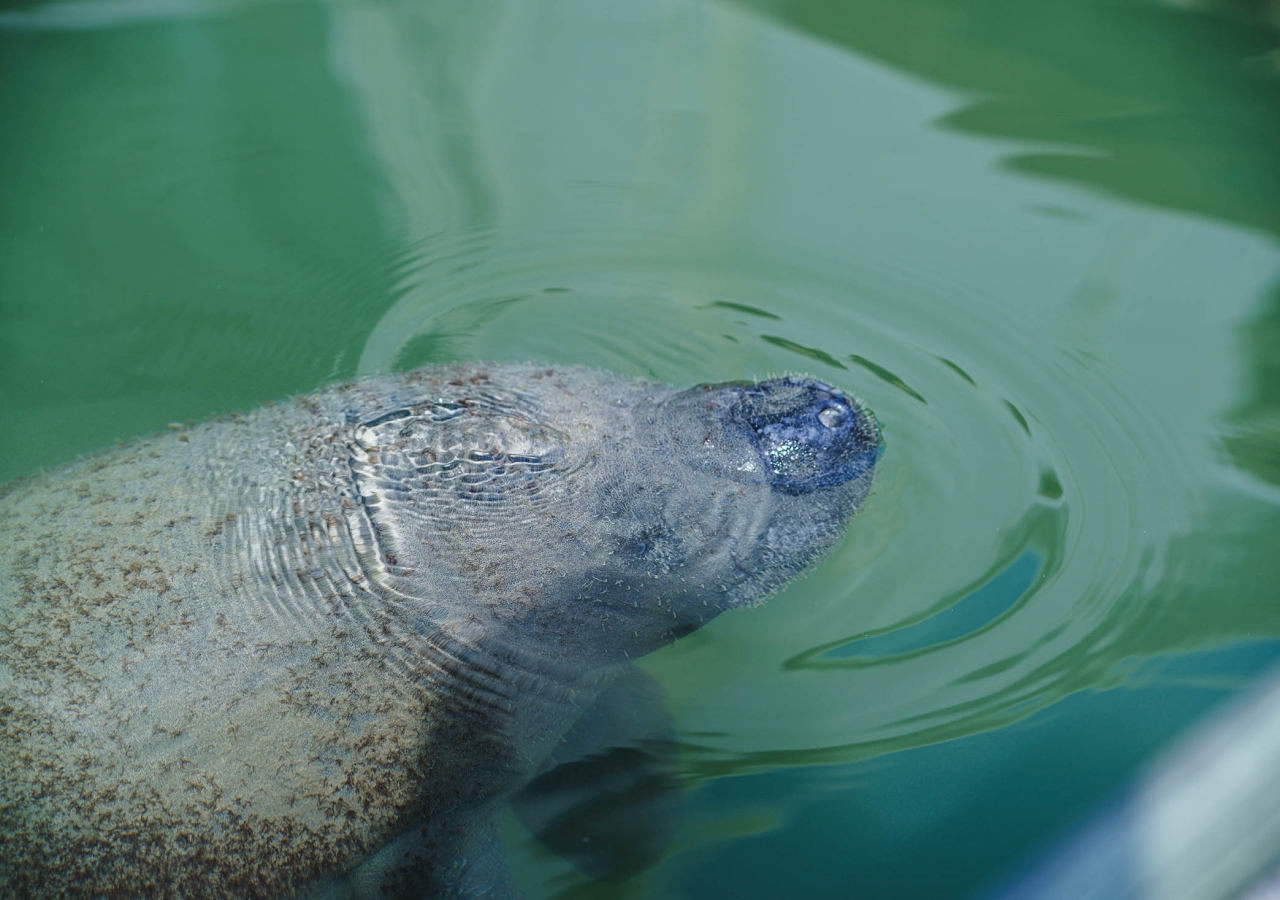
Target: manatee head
{"points": [[743, 486], [791, 458], [589, 512]]}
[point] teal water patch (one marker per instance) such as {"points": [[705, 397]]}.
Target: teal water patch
{"points": [[970, 613], [1230, 667]]}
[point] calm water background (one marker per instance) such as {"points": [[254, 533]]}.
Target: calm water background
{"points": [[1039, 240]]}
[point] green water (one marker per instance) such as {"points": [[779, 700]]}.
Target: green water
{"points": [[1039, 240]]}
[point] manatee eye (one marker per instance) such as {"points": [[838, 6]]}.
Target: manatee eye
{"points": [[642, 545], [637, 547], [833, 415]]}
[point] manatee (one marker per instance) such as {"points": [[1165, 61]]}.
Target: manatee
{"points": [[319, 649]]}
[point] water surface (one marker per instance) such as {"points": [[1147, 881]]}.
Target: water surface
{"points": [[1039, 242]]}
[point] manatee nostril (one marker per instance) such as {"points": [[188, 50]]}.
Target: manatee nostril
{"points": [[810, 435], [834, 415]]}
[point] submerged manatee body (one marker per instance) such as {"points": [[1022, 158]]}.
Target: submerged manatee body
{"points": [[316, 650]]}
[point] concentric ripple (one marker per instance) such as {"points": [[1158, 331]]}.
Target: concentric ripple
{"points": [[1024, 503]]}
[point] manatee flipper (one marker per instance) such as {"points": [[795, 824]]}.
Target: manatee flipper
{"points": [[608, 800], [455, 857]]}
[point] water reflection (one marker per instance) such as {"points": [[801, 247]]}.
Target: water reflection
{"points": [[1252, 432], [1141, 100]]}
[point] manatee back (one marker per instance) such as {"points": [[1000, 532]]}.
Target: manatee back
{"points": [[203, 690], [153, 725]]}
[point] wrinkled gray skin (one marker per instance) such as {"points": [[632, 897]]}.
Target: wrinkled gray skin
{"points": [[314, 650]]}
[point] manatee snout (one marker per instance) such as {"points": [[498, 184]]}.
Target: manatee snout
{"points": [[808, 434], [795, 434], [769, 473]]}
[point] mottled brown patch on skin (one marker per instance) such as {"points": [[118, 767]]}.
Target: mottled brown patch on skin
{"points": [[111, 788]]}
